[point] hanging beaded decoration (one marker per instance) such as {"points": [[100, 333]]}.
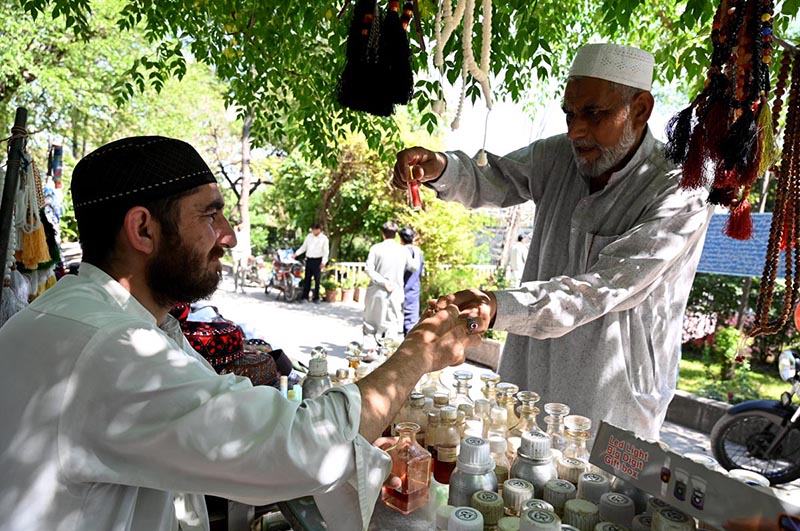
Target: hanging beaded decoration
{"points": [[784, 232], [724, 138]]}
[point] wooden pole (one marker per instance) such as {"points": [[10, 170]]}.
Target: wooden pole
{"points": [[18, 133]]}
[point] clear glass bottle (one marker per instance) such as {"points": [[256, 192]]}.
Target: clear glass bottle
{"points": [[577, 434], [318, 380], [473, 424], [489, 389], [440, 400], [447, 442], [431, 384], [353, 361], [461, 422], [555, 425], [402, 416], [433, 431], [417, 415], [527, 419], [502, 465], [411, 463], [498, 422], [461, 384], [482, 409], [506, 397], [342, 377]]}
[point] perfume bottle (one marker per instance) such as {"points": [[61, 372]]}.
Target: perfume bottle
{"points": [[577, 434], [555, 425], [473, 424], [447, 442], [482, 408], [506, 393], [489, 389], [317, 381], [461, 385], [342, 377], [416, 414], [527, 419], [431, 384], [411, 463]]}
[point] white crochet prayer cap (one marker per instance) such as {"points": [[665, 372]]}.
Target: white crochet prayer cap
{"points": [[625, 65]]}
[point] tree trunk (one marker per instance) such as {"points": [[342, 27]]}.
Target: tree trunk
{"points": [[244, 198], [748, 283]]}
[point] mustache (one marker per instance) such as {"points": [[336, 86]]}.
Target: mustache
{"points": [[217, 253], [584, 143]]}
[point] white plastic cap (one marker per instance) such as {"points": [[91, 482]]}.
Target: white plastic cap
{"points": [[474, 453], [592, 486], [516, 492], [539, 520], [535, 445], [465, 519], [498, 445]]}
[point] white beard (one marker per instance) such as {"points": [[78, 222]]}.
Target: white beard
{"points": [[609, 157]]}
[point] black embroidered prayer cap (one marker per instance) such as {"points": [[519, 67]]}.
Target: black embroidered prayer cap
{"points": [[137, 170]]}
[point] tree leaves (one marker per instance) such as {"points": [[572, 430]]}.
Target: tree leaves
{"points": [[282, 59]]}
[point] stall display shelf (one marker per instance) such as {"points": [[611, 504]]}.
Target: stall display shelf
{"points": [[709, 495]]}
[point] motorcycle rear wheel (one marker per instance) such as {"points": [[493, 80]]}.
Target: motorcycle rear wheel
{"points": [[741, 440], [290, 292]]}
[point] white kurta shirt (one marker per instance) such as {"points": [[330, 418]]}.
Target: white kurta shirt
{"points": [[315, 247], [106, 417], [596, 323], [387, 263]]}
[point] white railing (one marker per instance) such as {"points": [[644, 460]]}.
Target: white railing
{"points": [[350, 269]]}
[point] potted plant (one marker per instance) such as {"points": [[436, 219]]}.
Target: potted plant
{"points": [[348, 288], [331, 288], [362, 281]]}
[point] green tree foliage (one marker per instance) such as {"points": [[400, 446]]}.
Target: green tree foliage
{"points": [[282, 59]]}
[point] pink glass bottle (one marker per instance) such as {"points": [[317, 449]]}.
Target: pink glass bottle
{"points": [[412, 464]]}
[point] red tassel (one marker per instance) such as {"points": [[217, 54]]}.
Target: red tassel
{"points": [[715, 126], [740, 225], [694, 167], [725, 178]]}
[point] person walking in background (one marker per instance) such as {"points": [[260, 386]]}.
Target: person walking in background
{"points": [[387, 264], [411, 285], [316, 249], [240, 255], [516, 261]]}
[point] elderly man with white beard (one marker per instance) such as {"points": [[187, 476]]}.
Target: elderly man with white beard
{"points": [[596, 323]]}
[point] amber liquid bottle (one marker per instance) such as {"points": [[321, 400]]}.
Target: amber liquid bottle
{"points": [[447, 442], [412, 464]]}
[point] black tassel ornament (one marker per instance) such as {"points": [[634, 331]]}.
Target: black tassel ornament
{"points": [[362, 84], [395, 54]]}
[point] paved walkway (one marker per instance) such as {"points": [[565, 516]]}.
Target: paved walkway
{"points": [[299, 327]]}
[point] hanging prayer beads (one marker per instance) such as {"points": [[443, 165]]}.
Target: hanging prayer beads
{"points": [[785, 229]]}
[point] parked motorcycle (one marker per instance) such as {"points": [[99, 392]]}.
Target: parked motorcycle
{"points": [[764, 435], [255, 274], [286, 276]]}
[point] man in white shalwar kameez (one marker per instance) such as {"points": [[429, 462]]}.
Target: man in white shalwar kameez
{"points": [[387, 264], [596, 323], [111, 421]]}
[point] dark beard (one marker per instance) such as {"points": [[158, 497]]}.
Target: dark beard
{"points": [[180, 274]]}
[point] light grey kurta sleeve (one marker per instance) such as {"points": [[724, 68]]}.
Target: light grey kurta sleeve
{"points": [[151, 415], [624, 274], [506, 181]]}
